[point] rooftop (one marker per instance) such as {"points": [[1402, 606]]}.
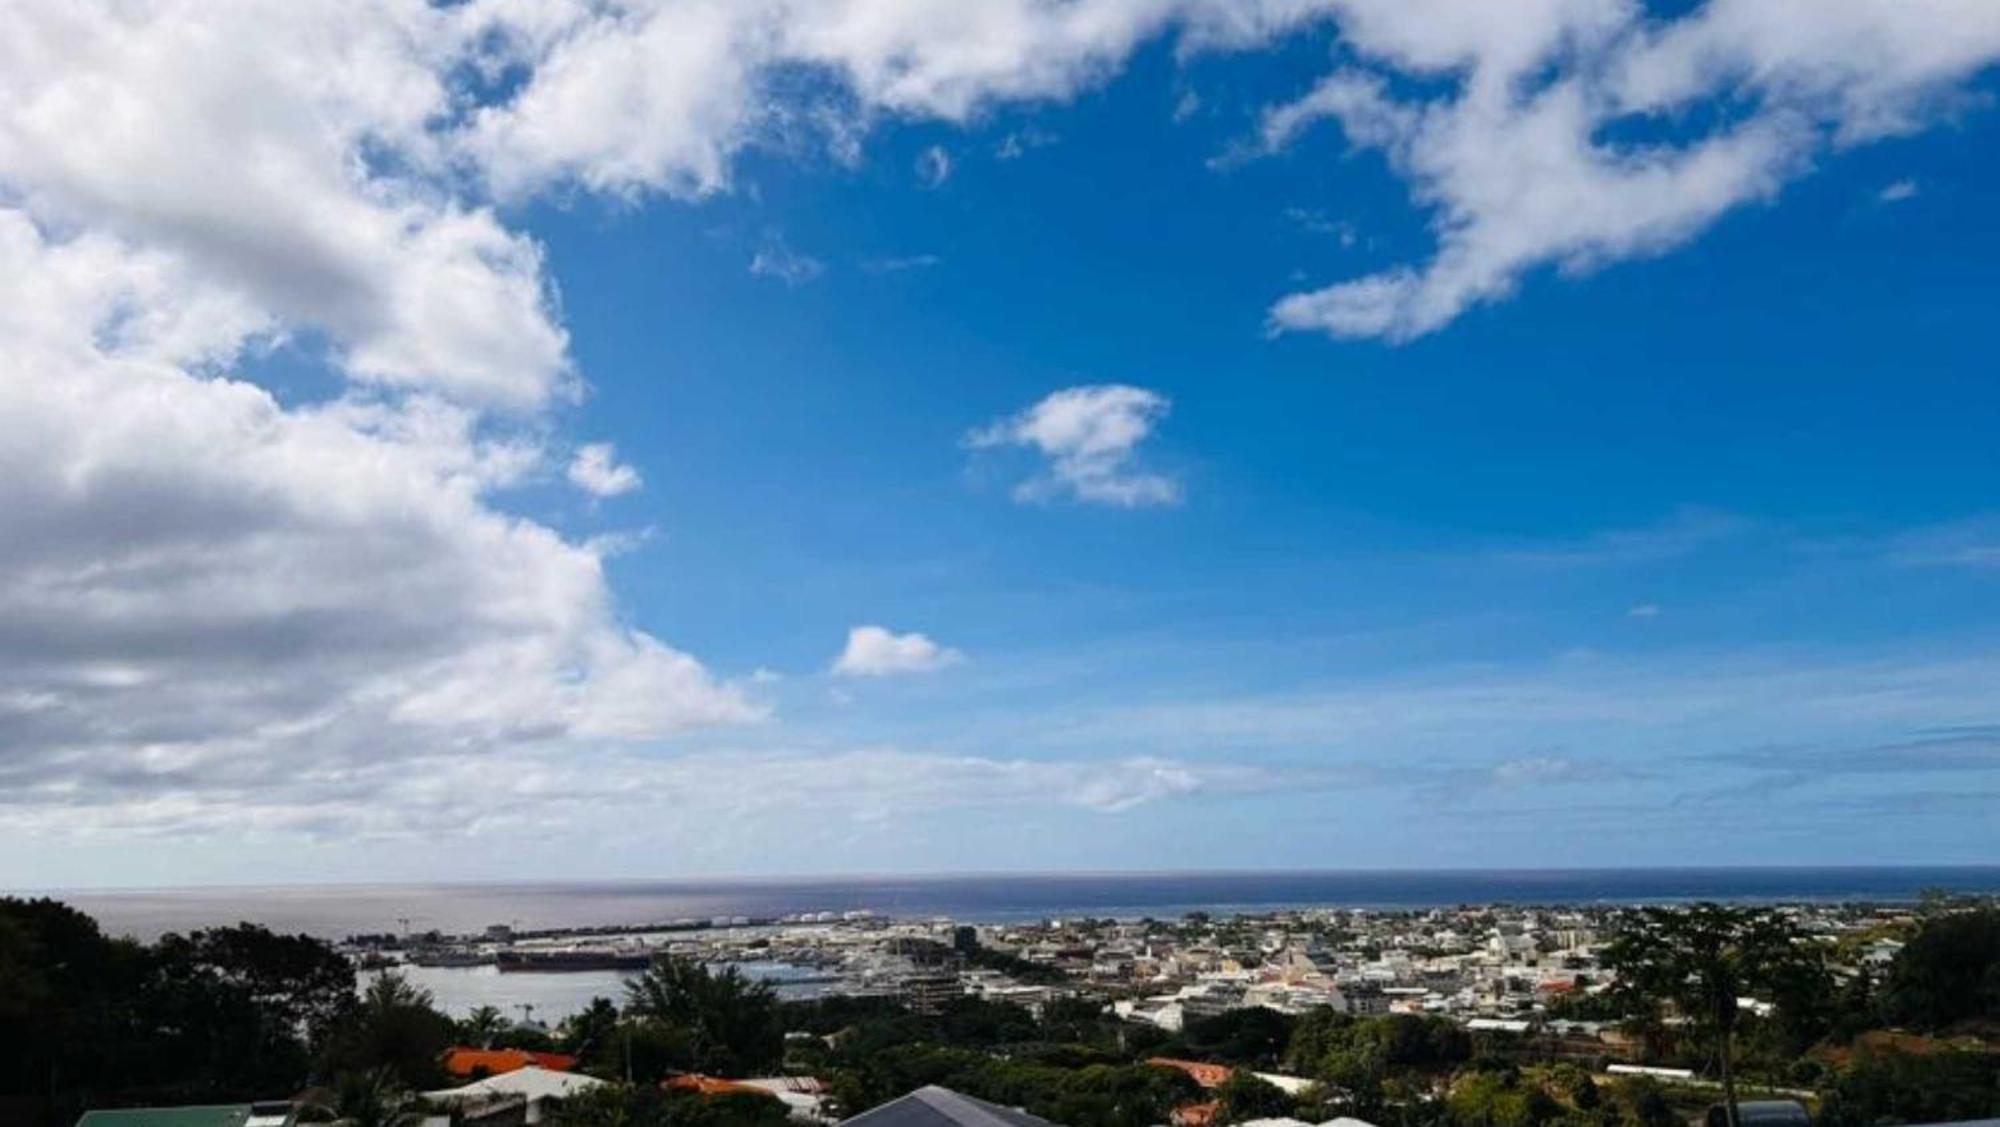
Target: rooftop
{"points": [[933, 1106]]}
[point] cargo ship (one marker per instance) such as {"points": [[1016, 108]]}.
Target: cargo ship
{"points": [[573, 959]]}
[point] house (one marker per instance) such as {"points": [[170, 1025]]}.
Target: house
{"points": [[932, 1106], [462, 1061], [276, 1113], [537, 1088], [1210, 1075]]}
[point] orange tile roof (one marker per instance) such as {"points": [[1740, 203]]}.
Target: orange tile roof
{"points": [[461, 1061], [1196, 1115], [712, 1085], [1205, 1074]]}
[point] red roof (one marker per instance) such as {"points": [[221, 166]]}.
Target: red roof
{"points": [[1196, 1115], [1205, 1074], [712, 1085], [461, 1061]]}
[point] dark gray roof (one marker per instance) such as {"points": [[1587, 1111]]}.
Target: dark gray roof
{"points": [[941, 1107]]}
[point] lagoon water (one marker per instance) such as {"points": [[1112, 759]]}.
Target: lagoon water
{"points": [[335, 911]]}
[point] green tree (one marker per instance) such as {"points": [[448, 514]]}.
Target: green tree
{"points": [[395, 1026], [593, 1034], [1948, 972], [374, 1098], [1246, 1096], [482, 1025], [619, 1106], [723, 1023], [1701, 959], [1896, 1087]]}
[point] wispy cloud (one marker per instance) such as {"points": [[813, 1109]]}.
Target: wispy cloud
{"points": [[776, 259], [897, 264], [934, 166], [1897, 192], [1680, 534], [1019, 142]]}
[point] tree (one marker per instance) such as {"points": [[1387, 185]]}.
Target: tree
{"points": [[373, 1098], [482, 1025], [1702, 959], [1948, 972], [1246, 1096], [393, 1026], [592, 1034], [723, 1023]]}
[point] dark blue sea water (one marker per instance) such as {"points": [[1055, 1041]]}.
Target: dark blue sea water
{"points": [[336, 911]]}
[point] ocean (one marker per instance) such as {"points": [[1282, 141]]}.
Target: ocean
{"points": [[335, 911]]}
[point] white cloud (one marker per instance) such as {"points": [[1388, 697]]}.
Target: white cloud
{"points": [[1514, 162], [597, 471], [1643, 610], [219, 608], [1090, 436], [1019, 142], [934, 166], [897, 264], [204, 593], [237, 136], [873, 651], [775, 259], [1897, 192]]}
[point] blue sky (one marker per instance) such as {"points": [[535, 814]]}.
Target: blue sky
{"points": [[1671, 539]]}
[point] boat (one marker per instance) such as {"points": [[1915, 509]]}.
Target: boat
{"points": [[572, 959], [441, 957]]}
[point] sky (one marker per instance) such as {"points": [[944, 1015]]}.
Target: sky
{"points": [[645, 438]]}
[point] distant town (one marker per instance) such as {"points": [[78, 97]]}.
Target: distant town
{"points": [[1696, 1015], [1492, 968]]}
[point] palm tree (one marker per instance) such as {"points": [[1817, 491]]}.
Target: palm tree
{"points": [[374, 1099], [1703, 958], [729, 1022], [482, 1025]]}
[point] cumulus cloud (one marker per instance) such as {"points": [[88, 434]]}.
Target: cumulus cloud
{"points": [[1557, 132], [1090, 438], [597, 471], [873, 651], [218, 606], [236, 136], [203, 592]]}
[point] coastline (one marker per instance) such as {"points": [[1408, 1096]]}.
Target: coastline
{"points": [[334, 911]]}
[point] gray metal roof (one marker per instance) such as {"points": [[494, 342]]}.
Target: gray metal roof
{"points": [[933, 1106]]}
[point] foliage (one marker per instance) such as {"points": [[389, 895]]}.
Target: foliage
{"points": [[1949, 972], [1914, 1088], [1702, 959], [705, 1021], [1341, 1048], [593, 1035], [1500, 1098], [394, 1026], [374, 1099], [647, 1106], [1244, 1096], [235, 1012], [481, 1026], [1255, 1036]]}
